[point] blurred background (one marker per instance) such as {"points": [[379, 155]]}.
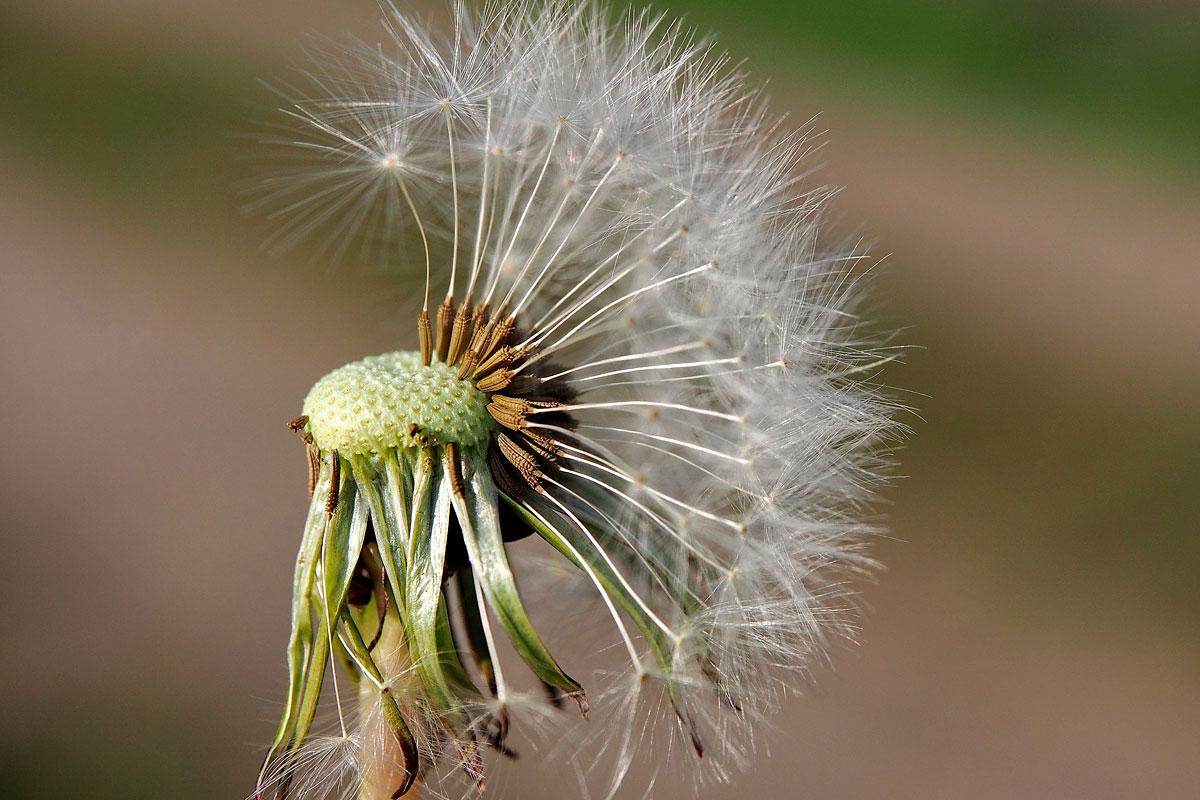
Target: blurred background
{"points": [[1031, 170]]}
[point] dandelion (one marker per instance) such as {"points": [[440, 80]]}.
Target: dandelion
{"points": [[631, 346]]}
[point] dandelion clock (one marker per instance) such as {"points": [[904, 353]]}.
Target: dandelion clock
{"points": [[633, 353]]}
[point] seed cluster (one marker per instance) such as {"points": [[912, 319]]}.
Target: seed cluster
{"points": [[491, 351]]}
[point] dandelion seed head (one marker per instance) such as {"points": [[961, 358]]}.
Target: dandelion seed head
{"points": [[635, 347]]}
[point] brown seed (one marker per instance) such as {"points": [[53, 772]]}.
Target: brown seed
{"points": [[503, 356], [445, 325], [299, 425], [335, 483], [478, 338], [454, 470], [502, 474], [515, 403], [499, 336], [507, 416], [459, 336], [479, 326], [425, 335], [510, 412], [495, 381], [543, 444], [524, 461], [468, 363], [479, 317], [314, 468]]}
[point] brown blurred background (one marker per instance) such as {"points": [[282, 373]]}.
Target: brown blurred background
{"points": [[1031, 168]]}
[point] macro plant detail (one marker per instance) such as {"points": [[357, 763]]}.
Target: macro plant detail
{"points": [[642, 356]]}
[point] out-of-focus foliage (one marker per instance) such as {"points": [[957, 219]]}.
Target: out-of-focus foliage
{"points": [[1113, 74]]}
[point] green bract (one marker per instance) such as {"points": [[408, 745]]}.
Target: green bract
{"points": [[404, 499]]}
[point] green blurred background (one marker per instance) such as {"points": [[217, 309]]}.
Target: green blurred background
{"points": [[1032, 172]]}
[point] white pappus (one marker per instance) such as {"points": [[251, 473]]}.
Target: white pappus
{"points": [[632, 346]]}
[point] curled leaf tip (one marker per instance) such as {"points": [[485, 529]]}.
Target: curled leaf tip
{"points": [[580, 697]]}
